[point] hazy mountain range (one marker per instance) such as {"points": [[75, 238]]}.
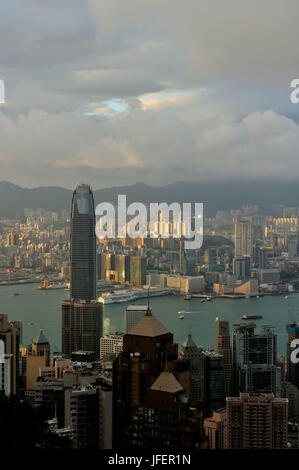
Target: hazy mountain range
{"points": [[215, 195]]}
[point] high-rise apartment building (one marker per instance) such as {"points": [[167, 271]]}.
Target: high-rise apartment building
{"points": [[138, 270], [254, 360], [223, 347], [243, 238], [251, 421], [258, 421], [83, 245]]}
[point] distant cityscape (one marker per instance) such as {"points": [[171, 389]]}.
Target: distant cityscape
{"points": [[137, 388]]}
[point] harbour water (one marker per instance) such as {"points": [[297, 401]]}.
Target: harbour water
{"points": [[43, 309]]}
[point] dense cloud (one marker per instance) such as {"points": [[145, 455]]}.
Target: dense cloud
{"points": [[121, 91]]}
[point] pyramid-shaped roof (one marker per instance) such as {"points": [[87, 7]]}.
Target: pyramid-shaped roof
{"points": [[40, 338], [148, 326], [166, 382], [189, 343]]}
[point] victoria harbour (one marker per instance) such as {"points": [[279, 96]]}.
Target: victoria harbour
{"points": [[41, 309]]}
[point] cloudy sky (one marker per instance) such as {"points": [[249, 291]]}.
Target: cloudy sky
{"points": [[115, 92]]}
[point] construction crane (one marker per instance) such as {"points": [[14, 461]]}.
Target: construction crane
{"points": [[292, 318]]}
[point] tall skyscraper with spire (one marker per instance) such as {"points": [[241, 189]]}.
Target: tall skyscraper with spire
{"points": [[83, 244]]}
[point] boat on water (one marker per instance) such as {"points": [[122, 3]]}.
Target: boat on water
{"points": [[16, 293], [188, 297], [286, 297], [252, 317], [181, 312], [209, 298], [116, 297], [54, 286], [202, 301], [181, 317], [30, 323]]}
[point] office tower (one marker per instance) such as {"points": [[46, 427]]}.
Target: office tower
{"points": [[150, 405], [192, 354], [36, 355], [213, 382], [292, 368], [83, 245], [138, 270], [10, 335], [243, 238], [251, 421], [111, 344], [133, 313], [210, 258], [223, 347], [242, 267], [82, 327], [254, 360], [190, 263], [5, 374], [262, 257], [292, 248]]}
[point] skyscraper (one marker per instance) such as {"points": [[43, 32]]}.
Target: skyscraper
{"points": [[82, 316], [150, 399], [83, 245], [190, 352], [254, 360], [82, 327], [243, 238], [251, 421], [257, 421], [223, 347]]}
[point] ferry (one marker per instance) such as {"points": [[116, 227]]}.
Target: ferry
{"points": [[252, 317], [188, 297], [116, 297], [56, 285]]}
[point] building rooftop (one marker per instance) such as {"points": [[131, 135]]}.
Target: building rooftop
{"points": [[148, 326], [189, 343], [40, 338], [136, 307], [166, 382]]}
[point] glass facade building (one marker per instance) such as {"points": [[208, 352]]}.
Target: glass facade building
{"points": [[83, 245]]}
